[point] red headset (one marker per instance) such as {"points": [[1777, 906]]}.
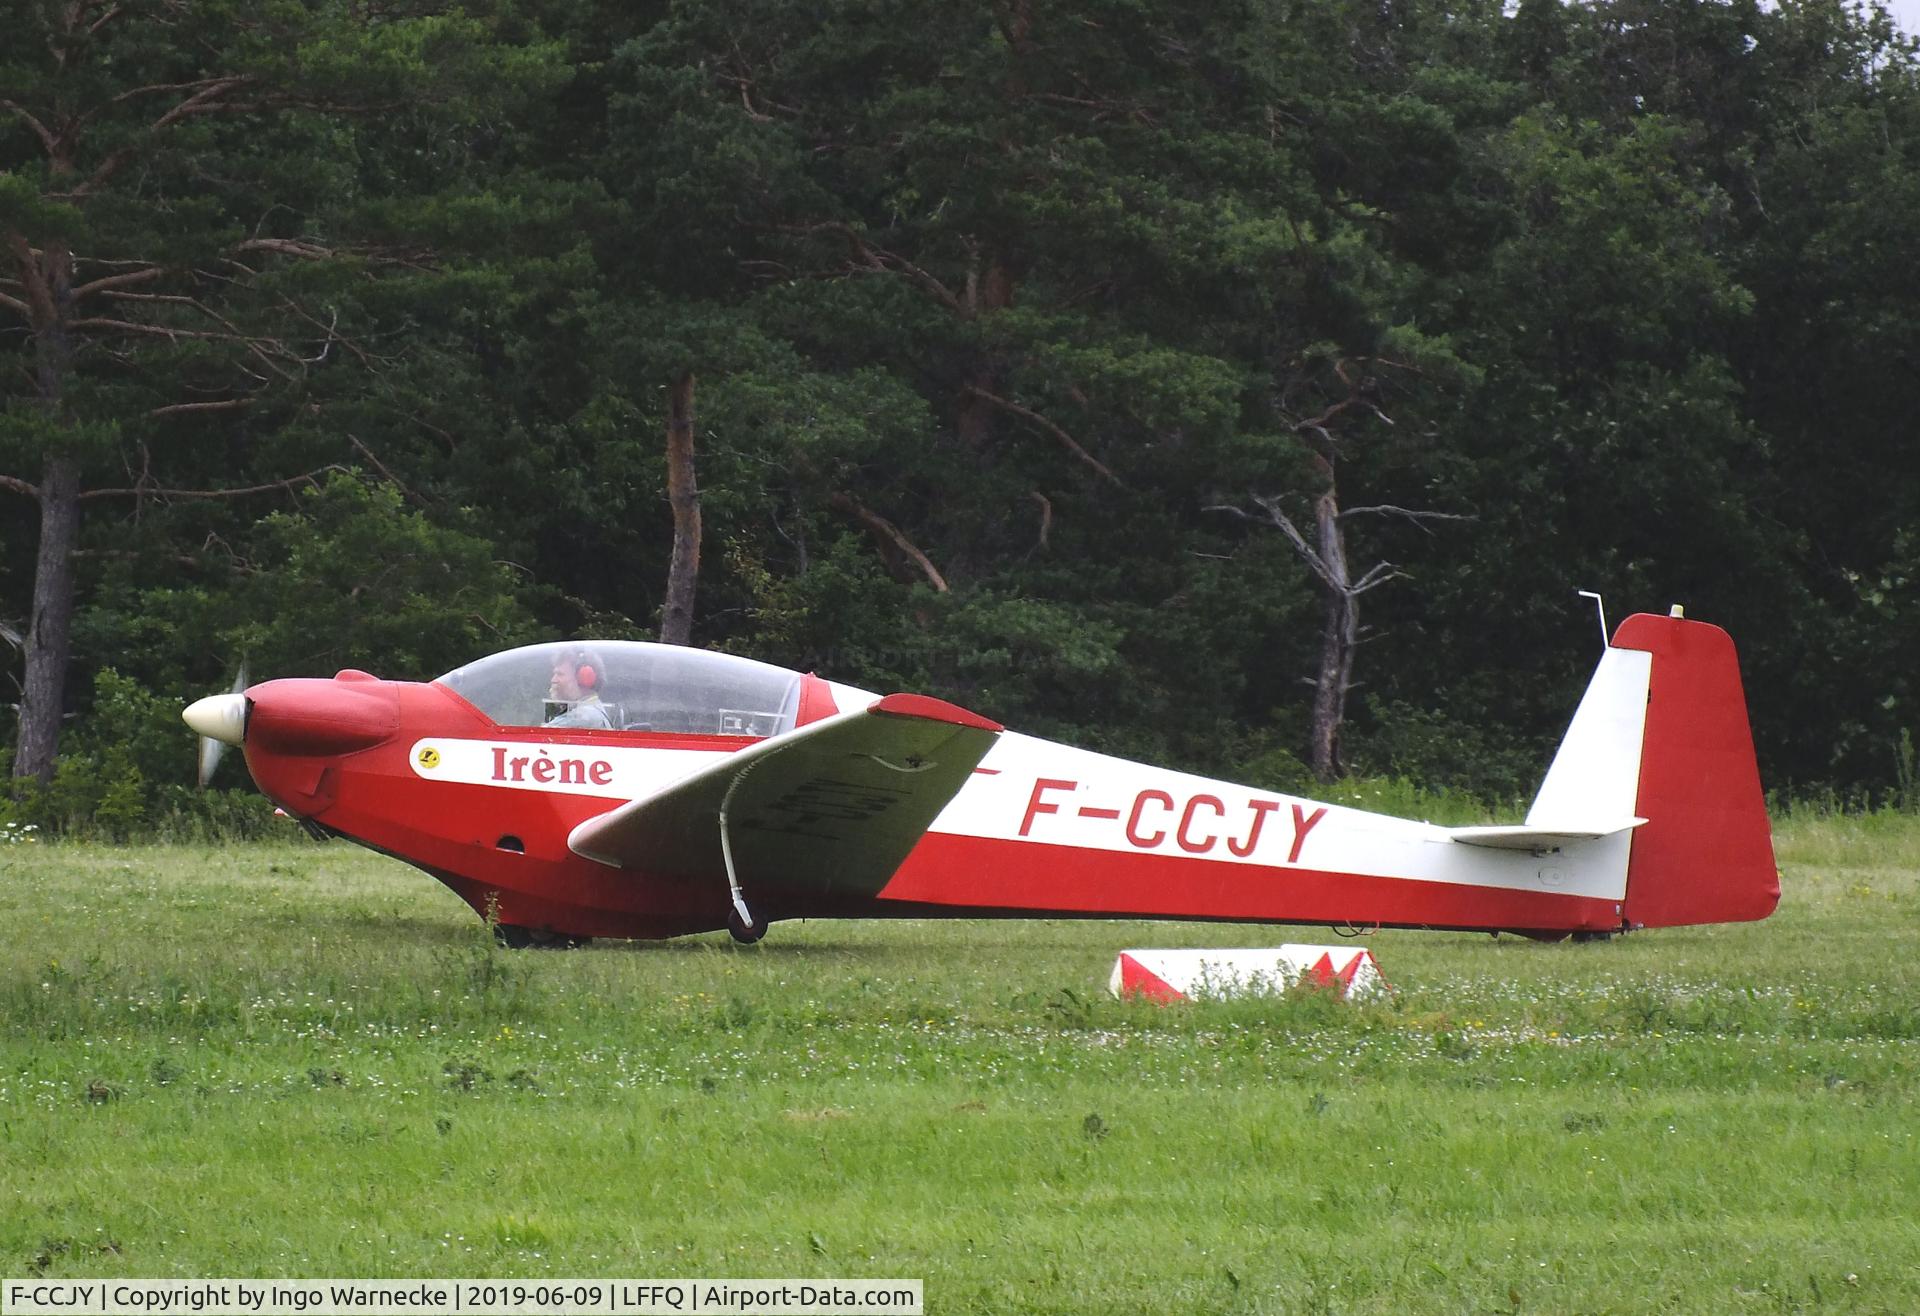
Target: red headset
{"points": [[584, 671]]}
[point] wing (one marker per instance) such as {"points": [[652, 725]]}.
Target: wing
{"points": [[832, 807]]}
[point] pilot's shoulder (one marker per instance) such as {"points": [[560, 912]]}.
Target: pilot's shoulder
{"points": [[588, 716]]}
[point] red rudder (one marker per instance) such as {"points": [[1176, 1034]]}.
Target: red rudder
{"points": [[1705, 854]]}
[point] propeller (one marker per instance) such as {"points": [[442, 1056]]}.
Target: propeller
{"points": [[221, 720]]}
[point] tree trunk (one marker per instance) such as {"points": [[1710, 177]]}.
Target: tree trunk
{"points": [[676, 621], [49, 283], [50, 635], [1338, 636], [987, 293]]}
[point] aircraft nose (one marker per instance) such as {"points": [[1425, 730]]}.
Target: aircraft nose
{"points": [[219, 717], [302, 715]]}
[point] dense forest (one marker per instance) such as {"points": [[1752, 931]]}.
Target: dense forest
{"points": [[1245, 386]]}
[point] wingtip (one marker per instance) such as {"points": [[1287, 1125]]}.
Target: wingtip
{"points": [[932, 710]]}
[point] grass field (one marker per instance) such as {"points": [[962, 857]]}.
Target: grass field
{"points": [[305, 1060]]}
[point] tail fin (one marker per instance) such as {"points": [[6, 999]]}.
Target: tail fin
{"points": [[1662, 735], [1706, 852]]}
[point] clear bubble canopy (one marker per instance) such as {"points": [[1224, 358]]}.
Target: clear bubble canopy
{"points": [[642, 687]]}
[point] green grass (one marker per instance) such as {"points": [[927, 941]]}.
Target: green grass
{"points": [[310, 1061]]}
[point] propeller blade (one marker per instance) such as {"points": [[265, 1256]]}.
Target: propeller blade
{"points": [[210, 752]]}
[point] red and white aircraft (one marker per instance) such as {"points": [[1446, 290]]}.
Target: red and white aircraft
{"points": [[696, 790]]}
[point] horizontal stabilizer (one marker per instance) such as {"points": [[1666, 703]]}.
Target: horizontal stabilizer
{"points": [[1540, 840]]}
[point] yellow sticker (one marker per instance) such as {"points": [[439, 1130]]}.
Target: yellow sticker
{"points": [[429, 757]]}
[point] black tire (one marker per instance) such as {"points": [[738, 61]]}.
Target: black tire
{"points": [[515, 937], [744, 933], [1592, 936]]}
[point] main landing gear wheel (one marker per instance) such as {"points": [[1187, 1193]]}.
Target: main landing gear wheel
{"points": [[515, 937], [742, 931]]}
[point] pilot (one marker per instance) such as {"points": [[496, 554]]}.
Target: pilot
{"points": [[573, 699]]}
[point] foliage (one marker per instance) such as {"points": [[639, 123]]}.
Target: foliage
{"points": [[353, 578], [350, 577], [1033, 285]]}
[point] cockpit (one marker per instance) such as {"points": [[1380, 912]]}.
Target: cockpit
{"points": [[638, 686]]}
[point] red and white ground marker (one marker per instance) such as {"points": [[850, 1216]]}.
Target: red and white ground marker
{"points": [[1181, 975]]}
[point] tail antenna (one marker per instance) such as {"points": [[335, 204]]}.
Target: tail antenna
{"points": [[1600, 606]]}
